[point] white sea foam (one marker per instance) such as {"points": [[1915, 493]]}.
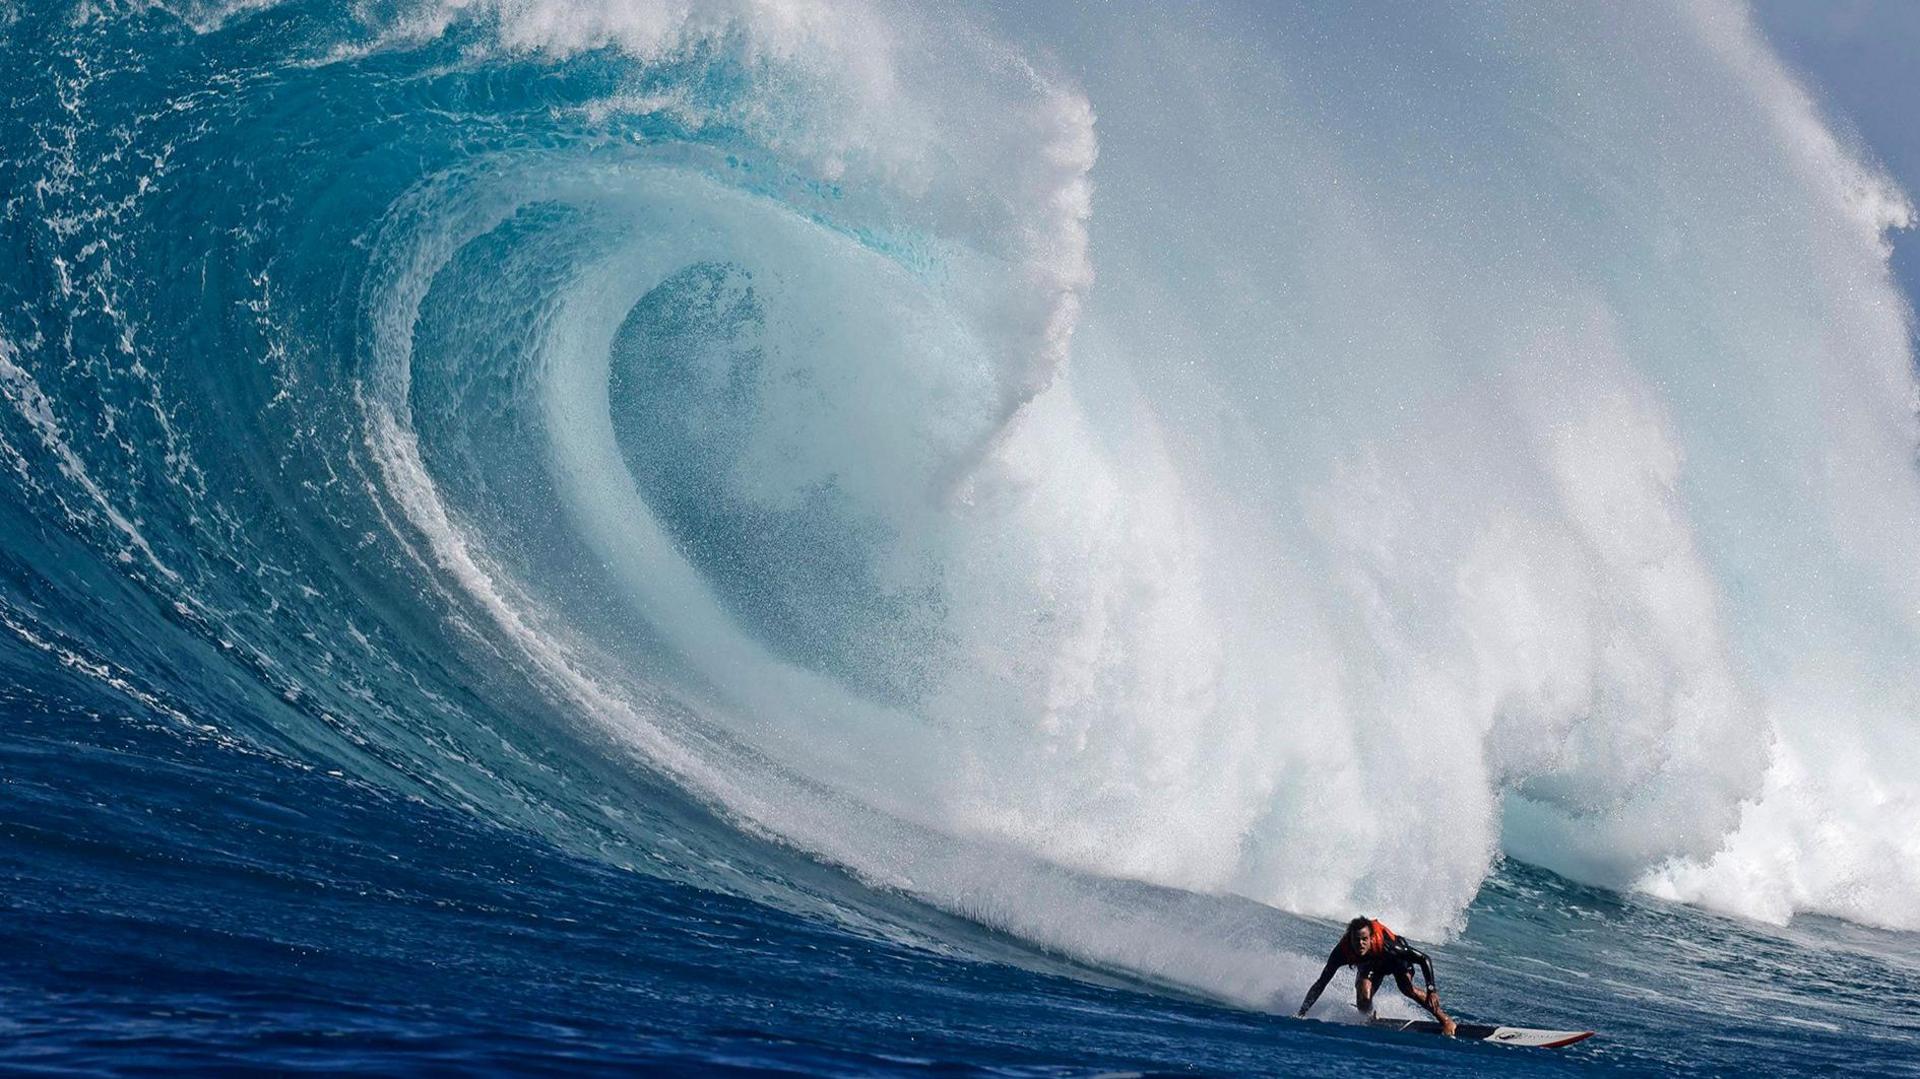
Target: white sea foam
{"points": [[1513, 457]]}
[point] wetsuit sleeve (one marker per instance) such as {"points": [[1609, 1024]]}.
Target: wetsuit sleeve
{"points": [[1415, 955], [1320, 983], [1407, 955]]}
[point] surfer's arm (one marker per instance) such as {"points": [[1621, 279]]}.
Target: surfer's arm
{"points": [[1426, 965], [1320, 984]]}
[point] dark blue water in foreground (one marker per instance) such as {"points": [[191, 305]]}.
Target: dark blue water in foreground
{"points": [[291, 309], [173, 905]]}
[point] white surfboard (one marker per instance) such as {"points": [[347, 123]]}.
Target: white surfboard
{"points": [[1539, 1039]]}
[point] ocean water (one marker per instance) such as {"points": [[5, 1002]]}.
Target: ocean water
{"points": [[548, 537]]}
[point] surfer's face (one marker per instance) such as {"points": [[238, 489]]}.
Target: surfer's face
{"points": [[1361, 942]]}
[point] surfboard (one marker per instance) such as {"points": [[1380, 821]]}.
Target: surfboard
{"points": [[1539, 1039]]}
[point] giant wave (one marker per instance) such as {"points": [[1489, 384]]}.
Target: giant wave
{"points": [[1049, 466]]}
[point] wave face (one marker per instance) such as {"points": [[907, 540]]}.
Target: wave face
{"points": [[1059, 470]]}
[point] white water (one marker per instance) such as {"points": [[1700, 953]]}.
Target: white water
{"points": [[1506, 446]]}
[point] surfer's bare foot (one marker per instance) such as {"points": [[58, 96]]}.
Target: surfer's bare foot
{"points": [[1447, 1027]]}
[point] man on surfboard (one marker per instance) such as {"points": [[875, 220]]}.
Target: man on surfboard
{"points": [[1380, 953]]}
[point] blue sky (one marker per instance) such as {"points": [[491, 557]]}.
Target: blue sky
{"points": [[1861, 58]]}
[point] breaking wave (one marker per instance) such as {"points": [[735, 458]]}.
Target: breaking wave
{"points": [[1054, 467]]}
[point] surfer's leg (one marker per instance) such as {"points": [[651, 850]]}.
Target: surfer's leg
{"points": [[1426, 998], [1363, 994]]}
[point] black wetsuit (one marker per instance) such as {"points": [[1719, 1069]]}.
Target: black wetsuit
{"points": [[1395, 957]]}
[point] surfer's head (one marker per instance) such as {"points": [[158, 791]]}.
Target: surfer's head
{"points": [[1360, 935]]}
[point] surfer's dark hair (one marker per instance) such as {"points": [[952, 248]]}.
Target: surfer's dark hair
{"points": [[1358, 924]]}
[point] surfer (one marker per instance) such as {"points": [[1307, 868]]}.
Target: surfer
{"points": [[1379, 953]]}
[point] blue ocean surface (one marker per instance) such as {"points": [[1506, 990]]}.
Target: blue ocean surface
{"points": [[600, 536], [226, 913]]}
